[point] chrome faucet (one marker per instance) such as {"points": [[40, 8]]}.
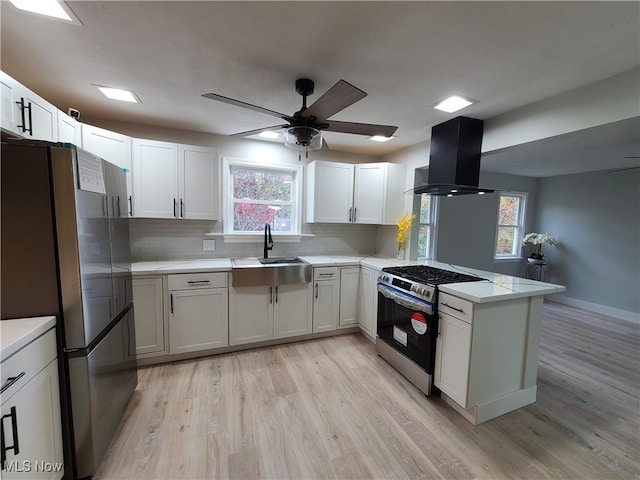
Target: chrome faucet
{"points": [[268, 240]]}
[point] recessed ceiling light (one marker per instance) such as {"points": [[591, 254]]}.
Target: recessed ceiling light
{"points": [[118, 94], [269, 134], [50, 8], [380, 138], [453, 104]]}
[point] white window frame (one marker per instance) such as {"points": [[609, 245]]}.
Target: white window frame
{"points": [[227, 209], [433, 207], [522, 215]]}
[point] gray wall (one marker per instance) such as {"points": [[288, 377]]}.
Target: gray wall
{"points": [[466, 225], [596, 219]]}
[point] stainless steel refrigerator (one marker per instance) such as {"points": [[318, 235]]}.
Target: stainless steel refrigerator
{"points": [[65, 252]]}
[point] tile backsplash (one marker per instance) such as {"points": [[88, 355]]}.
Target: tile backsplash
{"points": [[159, 239]]}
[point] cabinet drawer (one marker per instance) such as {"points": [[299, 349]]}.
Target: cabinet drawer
{"points": [[325, 273], [190, 281], [28, 361], [457, 307]]}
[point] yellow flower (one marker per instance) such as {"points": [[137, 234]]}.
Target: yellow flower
{"points": [[404, 227]]}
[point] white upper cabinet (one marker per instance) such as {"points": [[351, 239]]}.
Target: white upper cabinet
{"points": [[174, 181], [26, 114], [198, 183], [329, 192], [114, 148], [364, 193], [68, 129]]}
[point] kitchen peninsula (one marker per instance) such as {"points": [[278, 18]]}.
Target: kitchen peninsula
{"points": [[487, 352]]}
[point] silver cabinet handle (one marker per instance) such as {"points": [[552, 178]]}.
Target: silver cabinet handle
{"points": [[270, 295], [355, 214], [171, 299], [175, 208], [181, 209], [350, 214], [130, 206], [316, 290], [198, 282], [276, 294]]}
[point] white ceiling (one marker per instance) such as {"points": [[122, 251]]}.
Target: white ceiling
{"points": [[406, 55]]}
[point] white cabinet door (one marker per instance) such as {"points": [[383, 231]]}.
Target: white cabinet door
{"points": [[453, 350], [155, 179], [25, 113], [198, 183], [68, 129], [9, 113], [114, 148], [148, 304], [198, 320], [325, 305], [368, 301], [250, 314], [293, 310], [369, 193], [35, 412], [329, 192], [349, 294]]}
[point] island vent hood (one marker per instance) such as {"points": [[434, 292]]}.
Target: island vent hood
{"points": [[454, 159]]}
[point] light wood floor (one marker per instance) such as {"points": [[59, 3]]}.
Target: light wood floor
{"points": [[331, 408]]}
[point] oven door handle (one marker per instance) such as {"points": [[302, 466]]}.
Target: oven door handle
{"points": [[406, 300]]}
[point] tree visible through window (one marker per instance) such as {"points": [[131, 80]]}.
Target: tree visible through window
{"points": [[510, 224], [262, 196]]}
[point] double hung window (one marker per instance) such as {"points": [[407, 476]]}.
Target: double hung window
{"points": [[258, 193], [509, 231]]}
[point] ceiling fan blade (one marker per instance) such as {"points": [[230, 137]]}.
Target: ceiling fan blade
{"points": [[337, 98], [369, 129], [238, 103], [258, 130]]}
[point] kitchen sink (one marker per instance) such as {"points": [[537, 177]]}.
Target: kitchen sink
{"points": [[255, 272], [281, 261]]}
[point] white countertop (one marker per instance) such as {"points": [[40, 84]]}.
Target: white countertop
{"points": [[19, 332], [496, 287]]}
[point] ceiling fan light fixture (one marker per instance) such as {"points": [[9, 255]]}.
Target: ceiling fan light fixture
{"points": [[380, 138], [453, 104], [269, 134], [303, 138]]}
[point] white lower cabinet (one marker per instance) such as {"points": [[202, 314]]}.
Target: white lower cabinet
{"points": [[149, 308], [198, 312], [263, 313], [326, 292], [368, 301], [31, 426], [483, 355], [349, 294], [453, 350]]}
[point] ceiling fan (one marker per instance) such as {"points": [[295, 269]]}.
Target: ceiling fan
{"points": [[303, 128]]}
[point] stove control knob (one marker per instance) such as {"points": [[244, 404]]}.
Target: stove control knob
{"points": [[427, 294], [413, 288]]}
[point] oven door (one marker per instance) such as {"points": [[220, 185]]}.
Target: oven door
{"points": [[408, 324]]}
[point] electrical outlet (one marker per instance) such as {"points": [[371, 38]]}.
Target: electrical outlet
{"points": [[208, 245]]}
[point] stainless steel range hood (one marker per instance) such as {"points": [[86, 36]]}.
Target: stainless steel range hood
{"points": [[454, 159]]}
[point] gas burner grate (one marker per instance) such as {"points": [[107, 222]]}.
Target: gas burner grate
{"points": [[430, 275]]}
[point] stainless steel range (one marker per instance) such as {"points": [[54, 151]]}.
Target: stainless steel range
{"points": [[407, 325]]}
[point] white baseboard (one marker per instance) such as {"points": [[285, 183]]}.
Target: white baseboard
{"points": [[594, 307]]}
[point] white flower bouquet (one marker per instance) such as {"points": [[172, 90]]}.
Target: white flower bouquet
{"points": [[537, 240]]}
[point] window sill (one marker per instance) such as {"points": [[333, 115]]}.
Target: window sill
{"points": [[259, 237], [507, 259]]}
